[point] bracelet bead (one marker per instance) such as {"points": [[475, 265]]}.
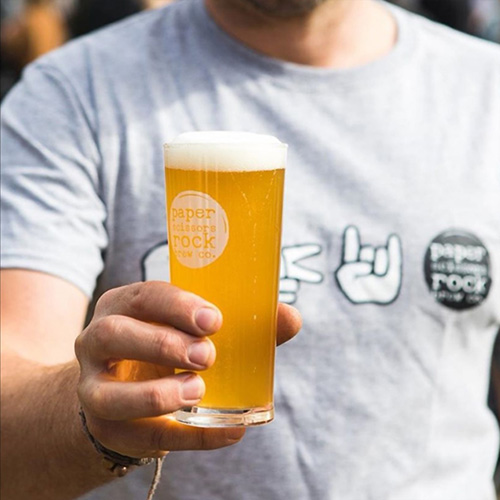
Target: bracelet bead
{"points": [[114, 462]]}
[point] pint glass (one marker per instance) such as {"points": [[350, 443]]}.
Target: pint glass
{"points": [[224, 209]]}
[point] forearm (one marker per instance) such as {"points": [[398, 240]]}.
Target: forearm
{"points": [[44, 453]]}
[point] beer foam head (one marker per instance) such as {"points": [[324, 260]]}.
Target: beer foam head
{"points": [[240, 151]]}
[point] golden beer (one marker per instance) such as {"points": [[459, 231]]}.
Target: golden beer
{"points": [[224, 226]]}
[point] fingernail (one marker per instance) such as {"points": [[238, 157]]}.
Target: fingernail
{"points": [[192, 388], [199, 352], [206, 318], [234, 434]]}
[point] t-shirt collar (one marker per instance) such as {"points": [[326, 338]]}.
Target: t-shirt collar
{"points": [[239, 57]]}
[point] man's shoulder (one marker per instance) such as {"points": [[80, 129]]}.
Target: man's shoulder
{"points": [[119, 45], [449, 46]]}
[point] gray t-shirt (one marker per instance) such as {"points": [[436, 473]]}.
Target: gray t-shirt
{"points": [[391, 239]]}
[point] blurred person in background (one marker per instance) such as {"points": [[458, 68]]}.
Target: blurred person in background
{"points": [[454, 13], [485, 19], [90, 15], [391, 249], [477, 17], [29, 31], [155, 4], [31, 28], [8, 70]]}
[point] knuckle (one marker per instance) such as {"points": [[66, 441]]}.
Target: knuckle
{"points": [[203, 441], [80, 346], [170, 347], [156, 399], [106, 300], [185, 303], [105, 329], [139, 295], [97, 401], [98, 338], [81, 391], [164, 346], [160, 438], [182, 303]]}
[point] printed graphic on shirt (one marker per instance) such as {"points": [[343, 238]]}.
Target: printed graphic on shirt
{"points": [[457, 269], [292, 272], [155, 266], [199, 229], [156, 263], [368, 274]]}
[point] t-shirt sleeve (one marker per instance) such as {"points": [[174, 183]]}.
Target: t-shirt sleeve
{"points": [[53, 215]]}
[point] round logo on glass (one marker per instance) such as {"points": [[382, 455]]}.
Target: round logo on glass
{"points": [[199, 229], [457, 269]]}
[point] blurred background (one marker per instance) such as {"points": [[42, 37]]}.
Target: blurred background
{"points": [[476, 17], [30, 28]]}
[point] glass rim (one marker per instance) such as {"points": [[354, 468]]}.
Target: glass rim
{"points": [[234, 145]]}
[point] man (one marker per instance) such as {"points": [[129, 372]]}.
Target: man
{"points": [[391, 253]]}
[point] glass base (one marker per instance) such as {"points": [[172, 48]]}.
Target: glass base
{"points": [[225, 417]]}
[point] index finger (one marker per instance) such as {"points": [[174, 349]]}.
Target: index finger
{"points": [[351, 244], [163, 303]]}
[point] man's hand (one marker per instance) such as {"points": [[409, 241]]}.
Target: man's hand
{"points": [[162, 327], [370, 274]]}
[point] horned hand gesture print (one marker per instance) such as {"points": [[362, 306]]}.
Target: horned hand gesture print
{"points": [[368, 274]]}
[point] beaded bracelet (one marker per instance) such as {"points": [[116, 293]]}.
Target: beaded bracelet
{"points": [[119, 464], [116, 463]]}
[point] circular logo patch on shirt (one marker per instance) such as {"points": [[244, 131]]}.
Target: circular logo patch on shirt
{"points": [[457, 269]]}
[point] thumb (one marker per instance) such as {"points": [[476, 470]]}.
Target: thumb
{"points": [[354, 270], [289, 323]]}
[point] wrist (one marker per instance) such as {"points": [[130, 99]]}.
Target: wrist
{"points": [[116, 463]]}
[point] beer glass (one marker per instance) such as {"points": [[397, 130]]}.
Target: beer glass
{"points": [[224, 209]]}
